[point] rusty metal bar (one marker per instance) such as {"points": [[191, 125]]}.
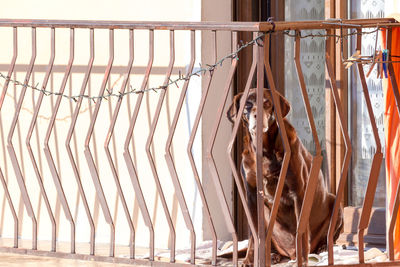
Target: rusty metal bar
{"points": [[3, 95], [28, 144], [12, 209], [306, 100], [168, 155], [190, 155], [376, 163], [61, 195], [324, 24], [347, 157], [153, 129], [210, 158], [111, 162], [259, 156], [238, 181], [152, 25], [114, 144], [134, 178], [88, 154], [396, 95], [46, 148], [12, 65], [72, 128], [10, 147], [132, 169], [231, 26], [302, 227], [286, 147]]}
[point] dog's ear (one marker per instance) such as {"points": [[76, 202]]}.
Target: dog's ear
{"points": [[285, 105], [233, 109]]}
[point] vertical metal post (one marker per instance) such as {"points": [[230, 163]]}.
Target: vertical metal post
{"points": [[168, 155], [259, 155], [29, 136], [346, 162], [114, 167], [286, 147], [128, 160], [191, 158], [10, 146], [210, 158], [376, 162], [238, 181], [89, 158], [152, 131], [72, 128], [312, 180], [49, 131], [3, 95]]}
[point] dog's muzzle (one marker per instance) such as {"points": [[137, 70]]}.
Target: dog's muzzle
{"points": [[253, 124]]}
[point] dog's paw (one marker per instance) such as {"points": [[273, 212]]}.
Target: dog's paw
{"points": [[247, 262], [322, 248], [249, 259], [275, 258]]}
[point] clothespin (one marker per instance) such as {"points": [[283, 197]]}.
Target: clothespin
{"points": [[351, 60], [377, 55], [379, 66], [385, 58]]}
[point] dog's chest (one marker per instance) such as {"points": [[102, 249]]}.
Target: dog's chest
{"points": [[271, 171]]}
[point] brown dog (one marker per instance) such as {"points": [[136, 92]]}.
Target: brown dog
{"points": [[284, 232]]}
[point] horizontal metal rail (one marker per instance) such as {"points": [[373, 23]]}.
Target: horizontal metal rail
{"points": [[219, 26]]}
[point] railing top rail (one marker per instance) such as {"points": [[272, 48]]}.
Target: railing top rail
{"points": [[219, 26], [156, 25], [328, 24]]}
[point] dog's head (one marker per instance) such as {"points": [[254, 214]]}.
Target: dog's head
{"points": [[250, 110]]}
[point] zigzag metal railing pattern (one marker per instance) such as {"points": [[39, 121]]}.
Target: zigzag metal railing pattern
{"points": [[191, 158], [211, 161], [317, 159], [236, 175], [72, 128], [151, 136], [31, 154], [259, 70], [3, 95], [375, 167], [110, 159], [11, 150], [346, 162]]}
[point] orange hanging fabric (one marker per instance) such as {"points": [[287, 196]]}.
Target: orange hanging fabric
{"points": [[392, 135]]}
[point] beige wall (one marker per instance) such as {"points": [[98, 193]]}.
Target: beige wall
{"points": [[156, 10], [217, 11]]}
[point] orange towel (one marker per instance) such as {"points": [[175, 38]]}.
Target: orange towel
{"points": [[392, 136]]}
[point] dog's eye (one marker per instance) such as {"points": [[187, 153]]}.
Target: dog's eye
{"points": [[267, 104], [248, 105]]}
